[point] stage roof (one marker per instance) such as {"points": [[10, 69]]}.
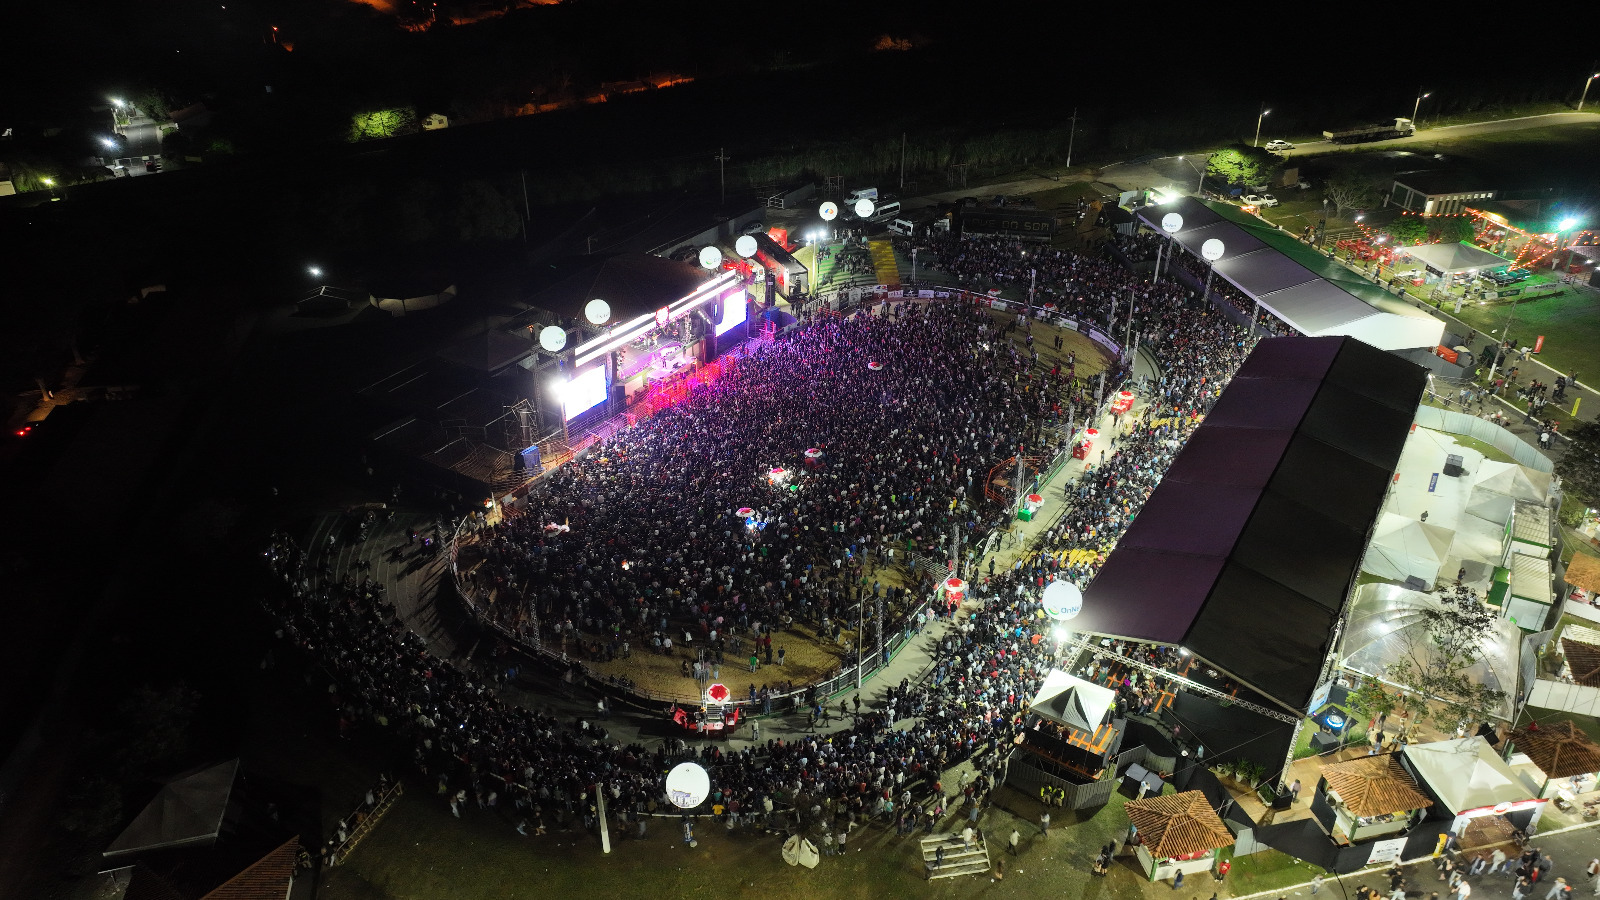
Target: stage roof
{"points": [[1452, 258], [1247, 550], [186, 811], [1068, 700], [632, 283], [1305, 300]]}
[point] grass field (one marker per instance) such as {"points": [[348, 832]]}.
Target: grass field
{"points": [[422, 852], [1570, 323]]}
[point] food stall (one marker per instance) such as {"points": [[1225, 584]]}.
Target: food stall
{"points": [[1467, 779], [1176, 833], [1367, 797], [1085, 444], [1565, 762]]}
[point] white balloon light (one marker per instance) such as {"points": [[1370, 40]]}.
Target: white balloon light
{"points": [[1062, 600], [553, 338], [828, 211], [597, 311], [710, 257], [688, 785], [1212, 250], [864, 208], [745, 246]]}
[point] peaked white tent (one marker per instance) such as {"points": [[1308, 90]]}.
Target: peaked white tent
{"points": [[1512, 480], [1466, 774], [1404, 548], [1071, 701], [188, 810]]}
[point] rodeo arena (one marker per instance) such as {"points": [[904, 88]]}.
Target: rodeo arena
{"points": [[787, 541]]}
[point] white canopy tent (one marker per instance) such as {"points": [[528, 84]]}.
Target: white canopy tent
{"points": [[1404, 548], [1068, 700], [1466, 774], [1512, 480], [1453, 259]]}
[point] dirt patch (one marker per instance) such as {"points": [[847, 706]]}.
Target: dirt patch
{"points": [[810, 657]]}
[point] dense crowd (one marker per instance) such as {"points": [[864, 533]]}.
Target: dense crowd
{"points": [[652, 547], [657, 551]]}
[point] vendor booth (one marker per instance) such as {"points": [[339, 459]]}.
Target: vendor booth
{"points": [[1583, 580], [1564, 760], [1366, 798], [1176, 833], [1524, 591], [1467, 779]]}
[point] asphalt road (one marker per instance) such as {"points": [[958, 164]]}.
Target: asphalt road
{"points": [[143, 140], [1449, 132]]}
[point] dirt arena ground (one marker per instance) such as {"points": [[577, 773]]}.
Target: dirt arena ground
{"points": [[810, 658]]}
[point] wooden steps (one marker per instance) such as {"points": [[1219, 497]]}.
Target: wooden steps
{"points": [[958, 860]]}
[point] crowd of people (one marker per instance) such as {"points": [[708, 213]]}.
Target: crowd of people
{"points": [[908, 413], [910, 407]]}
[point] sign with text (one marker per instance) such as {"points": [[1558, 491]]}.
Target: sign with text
{"points": [[1433, 482]]}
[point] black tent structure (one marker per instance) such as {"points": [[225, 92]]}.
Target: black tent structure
{"points": [[1247, 552]]}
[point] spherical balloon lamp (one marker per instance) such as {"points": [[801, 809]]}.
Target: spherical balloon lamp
{"points": [[1062, 600]]}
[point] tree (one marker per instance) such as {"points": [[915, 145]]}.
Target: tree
{"points": [[1351, 187], [1407, 230], [1579, 466], [1436, 660], [1370, 700], [382, 123], [1453, 229], [155, 103], [483, 213], [1243, 165]]}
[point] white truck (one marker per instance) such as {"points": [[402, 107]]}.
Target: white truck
{"points": [[1401, 128], [870, 193]]}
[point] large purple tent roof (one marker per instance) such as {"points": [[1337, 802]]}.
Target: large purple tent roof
{"points": [[1246, 552]]}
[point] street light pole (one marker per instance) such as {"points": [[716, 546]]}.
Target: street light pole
{"points": [[1073, 134], [1199, 187], [1418, 105], [1585, 95], [1264, 111]]}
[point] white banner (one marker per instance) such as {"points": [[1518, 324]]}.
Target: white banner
{"points": [[1386, 851]]}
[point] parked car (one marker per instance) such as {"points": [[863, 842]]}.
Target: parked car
{"points": [[755, 228], [1262, 200], [1279, 146], [1268, 200]]}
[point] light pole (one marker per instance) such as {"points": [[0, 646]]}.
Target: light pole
{"points": [[1565, 226], [1202, 182], [1072, 135], [1418, 105], [1264, 111], [1585, 95]]}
